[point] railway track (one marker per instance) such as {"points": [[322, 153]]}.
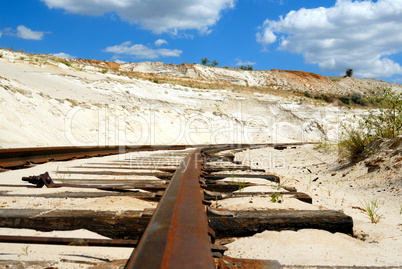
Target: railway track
{"points": [[185, 230]]}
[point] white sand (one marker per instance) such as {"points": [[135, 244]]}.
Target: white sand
{"points": [[377, 244]]}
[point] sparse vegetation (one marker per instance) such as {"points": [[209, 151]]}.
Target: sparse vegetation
{"points": [[318, 96], [280, 185], [371, 210], [385, 122], [328, 98], [357, 98], [59, 176], [345, 99], [276, 198], [214, 63], [205, 61], [242, 185], [326, 146], [307, 94], [353, 143], [25, 249], [246, 67], [64, 61]]}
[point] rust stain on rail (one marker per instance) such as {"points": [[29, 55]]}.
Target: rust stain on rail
{"points": [[178, 231]]}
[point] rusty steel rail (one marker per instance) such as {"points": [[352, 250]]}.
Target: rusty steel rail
{"points": [[23, 156], [177, 235], [87, 242], [15, 157]]}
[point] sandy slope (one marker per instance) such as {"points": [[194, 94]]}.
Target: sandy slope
{"points": [[321, 176], [44, 102]]}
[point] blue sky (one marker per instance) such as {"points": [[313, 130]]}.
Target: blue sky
{"points": [[323, 36]]}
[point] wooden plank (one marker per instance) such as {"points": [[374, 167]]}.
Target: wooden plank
{"points": [[301, 196], [82, 194], [272, 178], [115, 225], [247, 223], [131, 224]]}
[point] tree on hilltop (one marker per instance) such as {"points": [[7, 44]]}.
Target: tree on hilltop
{"points": [[206, 62], [349, 72]]}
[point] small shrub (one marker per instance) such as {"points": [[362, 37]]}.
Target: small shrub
{"points": [[204, 61], [318, 96], [345, 99], [156, 81], [386, 122], [349, 72], [353, 143], [276, 198], [214, 63], [1, 55], [307, 94], [246, 67], [328, 99], [357, 98]]}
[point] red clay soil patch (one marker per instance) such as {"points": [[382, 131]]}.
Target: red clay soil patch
{"points": [[302, 74], [111, 65]]}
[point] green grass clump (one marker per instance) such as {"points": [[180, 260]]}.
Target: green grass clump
{"points": [[345, 99], [354, 143], [276, 198], [242, 185], [384, 122], [371, 210], [357, 98]]}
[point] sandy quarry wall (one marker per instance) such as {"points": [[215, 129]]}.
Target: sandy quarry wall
{"points": [[276, 79], [47, 103]]}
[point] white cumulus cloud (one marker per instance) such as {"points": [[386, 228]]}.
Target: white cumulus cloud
{"points": [[160, 42], [155, 15], [240, 62], [26, 33], [140, 51], [64, 55], [352, 34]]}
